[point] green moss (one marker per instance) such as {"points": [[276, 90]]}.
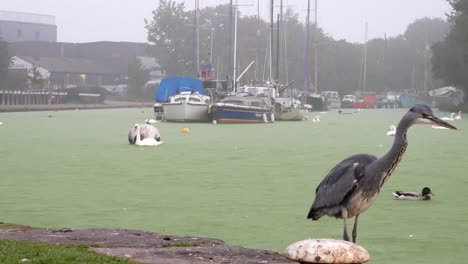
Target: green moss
{"points": [[15, 251], [180, 244], [15, 227]]}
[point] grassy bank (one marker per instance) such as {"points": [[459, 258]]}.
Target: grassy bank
{"points": [[28, 252]]}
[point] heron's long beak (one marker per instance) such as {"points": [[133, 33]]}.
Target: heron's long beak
{"points": [[439, 122]]}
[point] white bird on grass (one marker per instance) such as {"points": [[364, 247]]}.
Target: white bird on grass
{"points": [[451, 118], [391, 130], [146, 141], [316, 119], [458, 116]]}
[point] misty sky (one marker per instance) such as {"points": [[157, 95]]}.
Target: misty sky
{"points": [[122, 20]]}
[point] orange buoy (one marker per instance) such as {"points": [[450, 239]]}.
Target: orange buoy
{"points": [[185, 130]]}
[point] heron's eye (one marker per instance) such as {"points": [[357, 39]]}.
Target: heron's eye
{"points": [[424, 115]]}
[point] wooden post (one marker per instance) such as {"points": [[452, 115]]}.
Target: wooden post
{"points": [[17, 93], [3, 97]]}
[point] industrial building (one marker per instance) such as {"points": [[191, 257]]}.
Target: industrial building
{"points": [[20, 27]]}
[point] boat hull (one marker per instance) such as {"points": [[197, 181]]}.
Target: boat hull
{"points": [[235, 114], [317, 103], [158, 111], [186, 112], [333, 103], [291, 114], [408, 101]]}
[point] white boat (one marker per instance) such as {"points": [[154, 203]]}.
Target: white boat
{"points": [[289, 109], [187, 107]]}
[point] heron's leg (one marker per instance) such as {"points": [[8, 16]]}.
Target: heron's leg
{"points": [[344, 214], [355, 229]]}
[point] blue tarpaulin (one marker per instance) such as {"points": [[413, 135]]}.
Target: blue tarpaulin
{"points": [[170, 86]]}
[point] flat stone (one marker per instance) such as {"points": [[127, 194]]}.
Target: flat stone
{"points": [[326, 251]]}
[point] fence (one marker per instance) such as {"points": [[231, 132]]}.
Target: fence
{"points": [[40, 97]]}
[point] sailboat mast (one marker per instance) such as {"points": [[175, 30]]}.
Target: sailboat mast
{"points": [[229, 44], [235, 49], [315, 50], [306, 48], [257, 57], [211, 45], [277, 50], [364, 80], [271, 40], [197, 33]]}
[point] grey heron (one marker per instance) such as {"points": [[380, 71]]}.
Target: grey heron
{"points": [[352, 185]]}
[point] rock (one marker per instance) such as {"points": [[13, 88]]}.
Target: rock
{"points": [[326, 251]]}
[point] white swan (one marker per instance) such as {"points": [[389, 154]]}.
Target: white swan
{"points": [[391, 130], [316, 119], [150, 121], [458, 116], [145, 131], [1, 123], [146, 141], [451, 118]]}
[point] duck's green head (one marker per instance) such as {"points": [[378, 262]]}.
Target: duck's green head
{"points": [[426, 191]]}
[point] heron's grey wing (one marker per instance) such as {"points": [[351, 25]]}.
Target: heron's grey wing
{"points": [[341, 181]]}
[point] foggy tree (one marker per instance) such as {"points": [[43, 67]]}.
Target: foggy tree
{"points": [[450, 60], [426, 31], [137, 77], [5, 61], [169, 32], [35, 78]]}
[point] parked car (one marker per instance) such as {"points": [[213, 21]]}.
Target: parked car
{"points": [[348, 101]]}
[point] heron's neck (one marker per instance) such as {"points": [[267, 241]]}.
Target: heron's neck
{"points": [[389, 161]]}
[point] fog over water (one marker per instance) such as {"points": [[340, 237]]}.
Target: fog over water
{"points": [[122, 20]]}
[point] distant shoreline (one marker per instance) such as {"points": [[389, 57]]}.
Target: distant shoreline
{"points": [[59, 107]]}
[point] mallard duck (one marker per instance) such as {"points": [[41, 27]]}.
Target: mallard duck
{"points": [[424, 195]]}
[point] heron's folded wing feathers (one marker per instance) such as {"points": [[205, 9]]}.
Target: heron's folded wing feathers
{"points": [[341, 181], [336, 186]]}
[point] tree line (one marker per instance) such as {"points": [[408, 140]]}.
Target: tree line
{"points": [[395, 63]]}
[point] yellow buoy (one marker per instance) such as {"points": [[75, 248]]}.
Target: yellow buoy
{"points": [[185, 130]]}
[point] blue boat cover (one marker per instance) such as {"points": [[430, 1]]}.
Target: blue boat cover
{"points": [[170, 86]]}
